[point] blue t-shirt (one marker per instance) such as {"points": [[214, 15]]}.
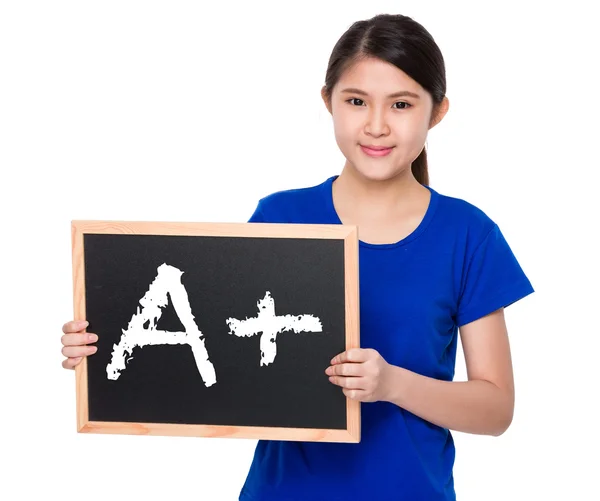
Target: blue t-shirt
{"points": [[454, 268]]}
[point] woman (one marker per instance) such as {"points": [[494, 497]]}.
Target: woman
{"points": [[431, 266]]}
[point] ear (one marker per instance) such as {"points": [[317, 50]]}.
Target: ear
{"points": [[440, 112], [325, 100]]}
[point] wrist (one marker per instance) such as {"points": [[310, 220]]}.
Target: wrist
{"points": [[394, 379]]}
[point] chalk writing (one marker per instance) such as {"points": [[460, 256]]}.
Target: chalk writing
{"points": [[137, 334], [270, 325], [141, 330]]}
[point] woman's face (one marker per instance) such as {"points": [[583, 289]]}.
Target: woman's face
{"points": [[375, 104]]}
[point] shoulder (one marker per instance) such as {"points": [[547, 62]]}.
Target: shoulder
{"points": [[464, 218], [486, 275], [295, 204], [292, 195]]}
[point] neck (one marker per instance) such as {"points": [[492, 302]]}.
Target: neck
{"points": [[384, 196]]}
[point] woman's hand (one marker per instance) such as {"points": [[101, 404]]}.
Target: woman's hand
{"points": [[362, 373], [74, 341]]}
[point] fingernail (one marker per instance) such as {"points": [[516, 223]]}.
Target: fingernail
{"points": [[92, 338], [328, 370], [83, 323], [92, 349]]}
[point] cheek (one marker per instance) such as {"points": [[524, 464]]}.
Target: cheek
{"points": [[411, 135], [346, 132]]}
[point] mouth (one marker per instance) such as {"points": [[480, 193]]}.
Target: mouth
{"points": [[376, 151]]}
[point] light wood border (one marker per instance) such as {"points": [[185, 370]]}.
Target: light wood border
{"points": [[347, 233]]}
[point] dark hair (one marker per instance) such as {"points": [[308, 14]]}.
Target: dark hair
{"points": [[403, 42]]}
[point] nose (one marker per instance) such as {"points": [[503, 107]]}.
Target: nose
{"points": [[377, 125]]}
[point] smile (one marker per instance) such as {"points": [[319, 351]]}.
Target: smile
{"points": [[378, 152]]}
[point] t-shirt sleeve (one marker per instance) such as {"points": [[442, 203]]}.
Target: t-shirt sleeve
{"points": [[493, 279], [258, 216]]}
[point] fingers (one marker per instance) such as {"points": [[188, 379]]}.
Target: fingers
{"points": [[347, 375], [350, 369], [353, 355], [78, 351], [74, 341], [78, 339], [71, 363], [74, 326], [356, 394], [352, 383]]}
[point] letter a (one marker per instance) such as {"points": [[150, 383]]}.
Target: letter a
{"points": [[168, 280]]}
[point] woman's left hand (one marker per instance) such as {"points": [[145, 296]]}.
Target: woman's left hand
{"points": [[363, 374]]}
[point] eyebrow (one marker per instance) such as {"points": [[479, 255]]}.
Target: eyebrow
{"points": [[395, 94]]}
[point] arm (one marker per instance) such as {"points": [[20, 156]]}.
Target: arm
{"points": [[482, 405]]}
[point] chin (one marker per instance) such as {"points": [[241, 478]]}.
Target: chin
{"points": [[375, 174]]}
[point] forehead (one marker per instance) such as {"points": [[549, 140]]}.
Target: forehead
{"points": [[377, 76]]}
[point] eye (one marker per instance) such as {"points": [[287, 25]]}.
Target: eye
{"points": [[360, 101]]}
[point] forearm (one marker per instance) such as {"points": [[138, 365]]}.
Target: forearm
{"points": [[476, 406]]}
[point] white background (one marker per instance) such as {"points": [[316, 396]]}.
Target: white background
{"points": [[177, 111]]}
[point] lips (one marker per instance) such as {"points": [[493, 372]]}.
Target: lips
{"points": [[376, 151]]}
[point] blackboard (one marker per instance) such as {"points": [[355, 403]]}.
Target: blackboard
{"points": [[216, 329]]}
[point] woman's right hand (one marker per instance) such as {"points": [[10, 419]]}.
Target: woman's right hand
{"points": [[74, 341]]}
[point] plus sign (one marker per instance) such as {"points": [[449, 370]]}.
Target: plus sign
{"points": [[270, 325]]}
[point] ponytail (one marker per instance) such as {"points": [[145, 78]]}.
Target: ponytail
{"points": [[419, 168]]}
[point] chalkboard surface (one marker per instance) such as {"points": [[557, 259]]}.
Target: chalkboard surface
{"points": [[215, 329]]}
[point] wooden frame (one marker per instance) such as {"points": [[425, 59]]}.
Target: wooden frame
{"points": [[269, 230]]}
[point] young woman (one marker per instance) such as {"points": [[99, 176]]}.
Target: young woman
{"points": [[430, 266]]}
